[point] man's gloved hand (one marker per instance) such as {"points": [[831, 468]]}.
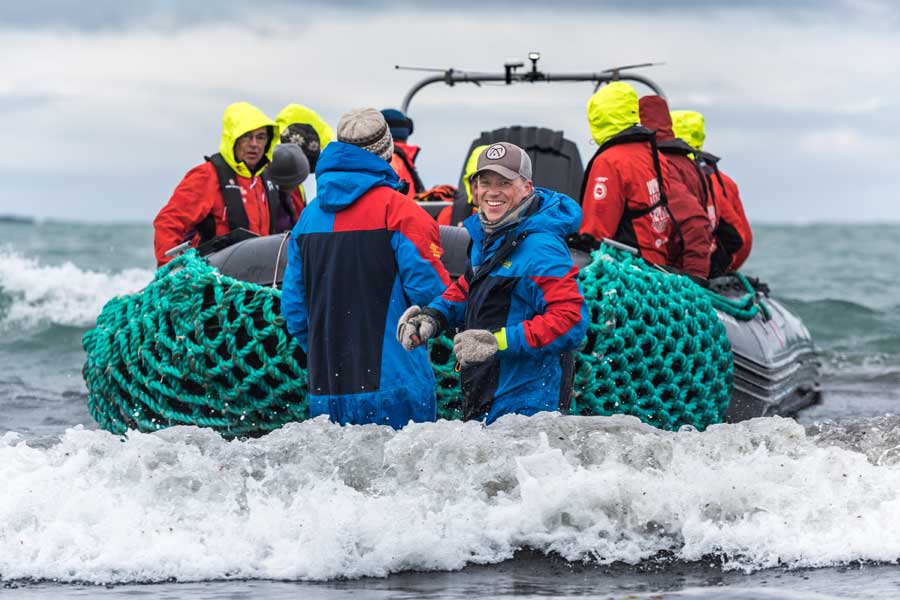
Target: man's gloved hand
{"points": [[415, 328], [474, 346]]}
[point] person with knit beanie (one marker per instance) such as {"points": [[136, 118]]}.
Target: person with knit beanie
{"points": [[360, 255], [366, 128], [521, 309]]}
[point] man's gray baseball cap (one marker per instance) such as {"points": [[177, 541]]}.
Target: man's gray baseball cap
{"points": [[505, 159]]}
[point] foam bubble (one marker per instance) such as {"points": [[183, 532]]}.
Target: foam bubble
{"points": [[62, 294], [315, 501]]}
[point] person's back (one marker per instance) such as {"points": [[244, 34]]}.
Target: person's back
{"points": [[359, 256], [690, 246], [624, 188], [691, 243], [734, 237], [733, 195], [225, 192]]}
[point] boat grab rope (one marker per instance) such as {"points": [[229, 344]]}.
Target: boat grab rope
{"points": [[744, 308]]}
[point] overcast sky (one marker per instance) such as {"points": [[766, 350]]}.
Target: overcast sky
{"points": [[105, 105]]}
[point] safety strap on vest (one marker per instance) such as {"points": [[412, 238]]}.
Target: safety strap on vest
{"points": [[639, 134], [713, 162], [234, 201], [681, 148]]}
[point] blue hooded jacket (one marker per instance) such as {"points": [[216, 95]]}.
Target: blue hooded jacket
{"points": [[360, 255], [533, 303]]}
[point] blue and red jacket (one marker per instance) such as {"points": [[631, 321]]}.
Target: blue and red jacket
{"points": [[360, 255], [531, 299]]}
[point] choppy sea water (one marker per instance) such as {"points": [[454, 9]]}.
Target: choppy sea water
{"points": [[550, 506]]}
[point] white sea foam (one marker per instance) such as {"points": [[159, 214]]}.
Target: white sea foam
{"points": [[63, 294], [318, 501]]}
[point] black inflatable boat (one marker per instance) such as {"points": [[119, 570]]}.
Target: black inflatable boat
{"points": [[775, 365]]}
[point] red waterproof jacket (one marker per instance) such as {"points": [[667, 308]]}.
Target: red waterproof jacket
{"points": [[197, 196], [690, 245], [691, 250], [733, 199], [734, 238], [621, 180], [403, 161], [298, 199]]}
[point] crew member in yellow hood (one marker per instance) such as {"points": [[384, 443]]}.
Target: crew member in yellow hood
{"points": [[689, 126], [623, 194], [226, 192], [734, 237], [303, 126]]}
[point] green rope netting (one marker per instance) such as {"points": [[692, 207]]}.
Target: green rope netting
{"points": [[199, 348], [655, 348], [195, 348]]}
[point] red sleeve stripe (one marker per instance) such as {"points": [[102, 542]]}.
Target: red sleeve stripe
{"points": [[458, 291], [563, 312]]}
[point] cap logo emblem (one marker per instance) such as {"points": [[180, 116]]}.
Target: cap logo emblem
{"points": [[495, 152]]}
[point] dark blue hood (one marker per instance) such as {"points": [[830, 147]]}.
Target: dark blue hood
{"points": [[345, 172], [557, 214]]}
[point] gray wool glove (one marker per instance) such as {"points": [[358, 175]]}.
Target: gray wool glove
{"points": [[474, 346], [415, 328]]}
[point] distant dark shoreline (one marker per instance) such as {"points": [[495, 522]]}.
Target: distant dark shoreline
{"points": [[16, 219]]}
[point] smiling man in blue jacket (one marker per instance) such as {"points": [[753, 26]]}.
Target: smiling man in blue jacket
{"points": [[520, 307], [360, 255]]}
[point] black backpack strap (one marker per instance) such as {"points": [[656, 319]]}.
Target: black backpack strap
{"points": [[231, 194], [508, 246], [681, 148], [663, 201], [636, 133], [417, 184]]}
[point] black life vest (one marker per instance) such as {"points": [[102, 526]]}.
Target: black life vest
{"points": [[234, 201], [681, 148], [625, 231]]}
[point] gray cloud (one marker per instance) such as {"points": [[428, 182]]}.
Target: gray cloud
{"points": [[103, 15], [801, 107]]}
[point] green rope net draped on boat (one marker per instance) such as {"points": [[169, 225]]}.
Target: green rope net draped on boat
{"points": [[199, 348], [195, 348], [655, 348]]}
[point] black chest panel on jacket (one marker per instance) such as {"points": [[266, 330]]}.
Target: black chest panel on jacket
{"points": [[349, 277]]}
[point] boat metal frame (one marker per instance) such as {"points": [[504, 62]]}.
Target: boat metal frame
{"points": [[511, 74]]}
